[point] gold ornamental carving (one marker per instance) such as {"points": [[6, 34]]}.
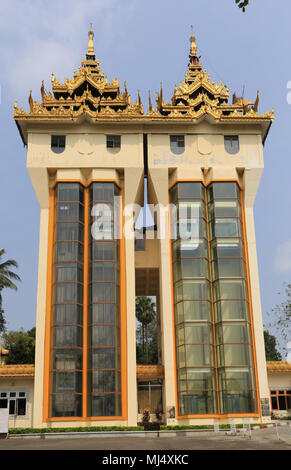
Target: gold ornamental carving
{"points": [[89, 93]]}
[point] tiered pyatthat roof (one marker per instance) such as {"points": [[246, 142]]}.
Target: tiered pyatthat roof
{"points": [[89, 93], [197, 95]]}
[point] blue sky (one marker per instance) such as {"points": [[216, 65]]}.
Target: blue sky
{"points": [[144, 43]]}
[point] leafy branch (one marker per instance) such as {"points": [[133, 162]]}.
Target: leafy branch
{"points": [[242, 4]]}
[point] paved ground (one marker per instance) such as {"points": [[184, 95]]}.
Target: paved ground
{"points": [[261, 439]]}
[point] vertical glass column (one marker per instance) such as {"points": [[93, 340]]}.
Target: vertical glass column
{"points": [[104, 385], [192, 302], [231, 303], [67, 324]]}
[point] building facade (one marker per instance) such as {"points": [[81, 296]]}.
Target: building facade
{"points": [[16, 393], [90, 152], [279, 378]]}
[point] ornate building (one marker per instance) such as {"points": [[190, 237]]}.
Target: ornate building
{"points": [[88, 146]]}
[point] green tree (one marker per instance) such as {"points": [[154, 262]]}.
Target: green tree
{"points": [[145, 314], [272, 354], [280, 319], [7, 276], [152, 345], [21, 346], [2, 319]]}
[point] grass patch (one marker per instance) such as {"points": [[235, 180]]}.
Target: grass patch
{"points": [[119, 428], [75, 429]]}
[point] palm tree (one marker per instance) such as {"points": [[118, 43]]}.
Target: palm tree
{"points": [[145, 313], [7, 276]]}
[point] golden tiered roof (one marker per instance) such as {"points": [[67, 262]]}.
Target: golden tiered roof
{"points": [[197, 95], [89, 93]]}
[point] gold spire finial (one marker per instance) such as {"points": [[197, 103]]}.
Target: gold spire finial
{"points": [[90, 51], [193, 47]]}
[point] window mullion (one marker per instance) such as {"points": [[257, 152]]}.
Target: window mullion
{"points": [[85, 300], [212, 305]]}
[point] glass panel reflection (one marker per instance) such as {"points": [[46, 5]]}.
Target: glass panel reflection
{"points": [[67, 353], [104, 383], [211, 307]]}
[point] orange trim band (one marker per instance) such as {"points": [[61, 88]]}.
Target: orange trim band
{"points": [[234, 180], [123, 318], [48, 321], [86, 185], [250, 302], [173, 311]]}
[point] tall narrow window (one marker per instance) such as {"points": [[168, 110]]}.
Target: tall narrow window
{"points": [[104, 383], [67, 327], [230, 294], [214, 354], [193, 321]]}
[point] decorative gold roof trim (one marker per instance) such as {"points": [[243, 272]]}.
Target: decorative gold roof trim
{"points": [[203, 97], [100, 83], [150, 371], [134, 112], [17, 370], [202, 79], [211, 102], [279, 366]]}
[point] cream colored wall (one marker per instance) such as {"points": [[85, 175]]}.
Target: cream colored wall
{"points": [[256, 304], [279, 380], [20, 384], [133, 189], [205, 159], [158, 193], [40, 318], [86, 158], [204, 147], [85, 147], [150, 258]]}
